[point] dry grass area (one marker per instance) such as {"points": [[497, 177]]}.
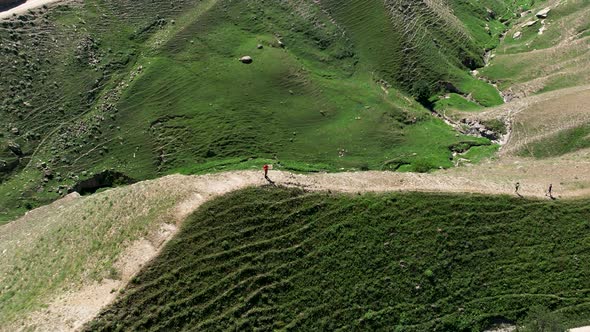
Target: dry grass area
{"points": [[546, 119], [73, 255], [535, 118]]}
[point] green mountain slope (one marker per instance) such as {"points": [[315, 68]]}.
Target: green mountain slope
{"points": [[147, 88], [278, 259]]}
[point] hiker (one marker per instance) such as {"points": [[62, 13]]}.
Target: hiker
{"points": [[550, 191], [266, 168], [516, 187]]}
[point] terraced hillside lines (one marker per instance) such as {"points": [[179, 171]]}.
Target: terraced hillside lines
{"points": [[92, 246], [546, 125], [415, 45], [562, 37], [133, 216], [268, 258], [567, 132], [134, 86]]}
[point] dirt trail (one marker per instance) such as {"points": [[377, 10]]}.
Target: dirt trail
{"points": [[30, 4], [70, 311]]}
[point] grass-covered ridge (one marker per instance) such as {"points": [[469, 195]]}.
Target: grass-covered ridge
{"points": [[268, 258], [149, 88]]}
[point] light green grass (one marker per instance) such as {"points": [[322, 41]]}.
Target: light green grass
{"points": [[530, 57], [455, 102], [316, 104]]}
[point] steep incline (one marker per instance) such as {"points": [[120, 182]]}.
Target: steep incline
{"points": [[93, 245], [272, 259], [149, 88]]}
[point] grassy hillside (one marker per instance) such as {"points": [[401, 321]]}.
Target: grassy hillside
{"points": [[556, 46], [148, 88], [285, 259], [77, 241]]}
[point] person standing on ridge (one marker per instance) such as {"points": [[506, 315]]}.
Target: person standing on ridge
{"points": [[516, 188], [550, 191], [266, 168]]}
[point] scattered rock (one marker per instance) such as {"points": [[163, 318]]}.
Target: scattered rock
{"points": [[476, 128], [542, 30], [281, 44], [491, 13], [543, 13], [15, 148], [543, 27], [246, 59], [530, 23], [517, 35], [48, 174]]}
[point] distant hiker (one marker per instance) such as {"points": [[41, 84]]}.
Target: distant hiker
{"points": [[550, 191], [266, 168], [516, 188]]}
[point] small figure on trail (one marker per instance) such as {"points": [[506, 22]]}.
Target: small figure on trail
{"points": [[266, 168], [516, 188], [550, 191]]}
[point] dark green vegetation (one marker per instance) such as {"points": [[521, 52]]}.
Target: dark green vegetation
{"points": [[148, 88], [540, 319], [284, 259]]}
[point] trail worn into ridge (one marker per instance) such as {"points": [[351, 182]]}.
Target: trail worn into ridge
{"points": [[23, 8], [72, 305]]}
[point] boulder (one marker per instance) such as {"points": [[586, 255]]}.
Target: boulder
{"points": [[246, 59], [259, 46], [517, 35], [530, 23], [543, 13], [15, 131], [15, 148], [491, 13], [48, 174]]}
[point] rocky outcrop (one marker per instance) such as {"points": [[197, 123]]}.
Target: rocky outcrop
{"points": [[529, 23], [543, 13], [246, 59], [15, 148]]}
